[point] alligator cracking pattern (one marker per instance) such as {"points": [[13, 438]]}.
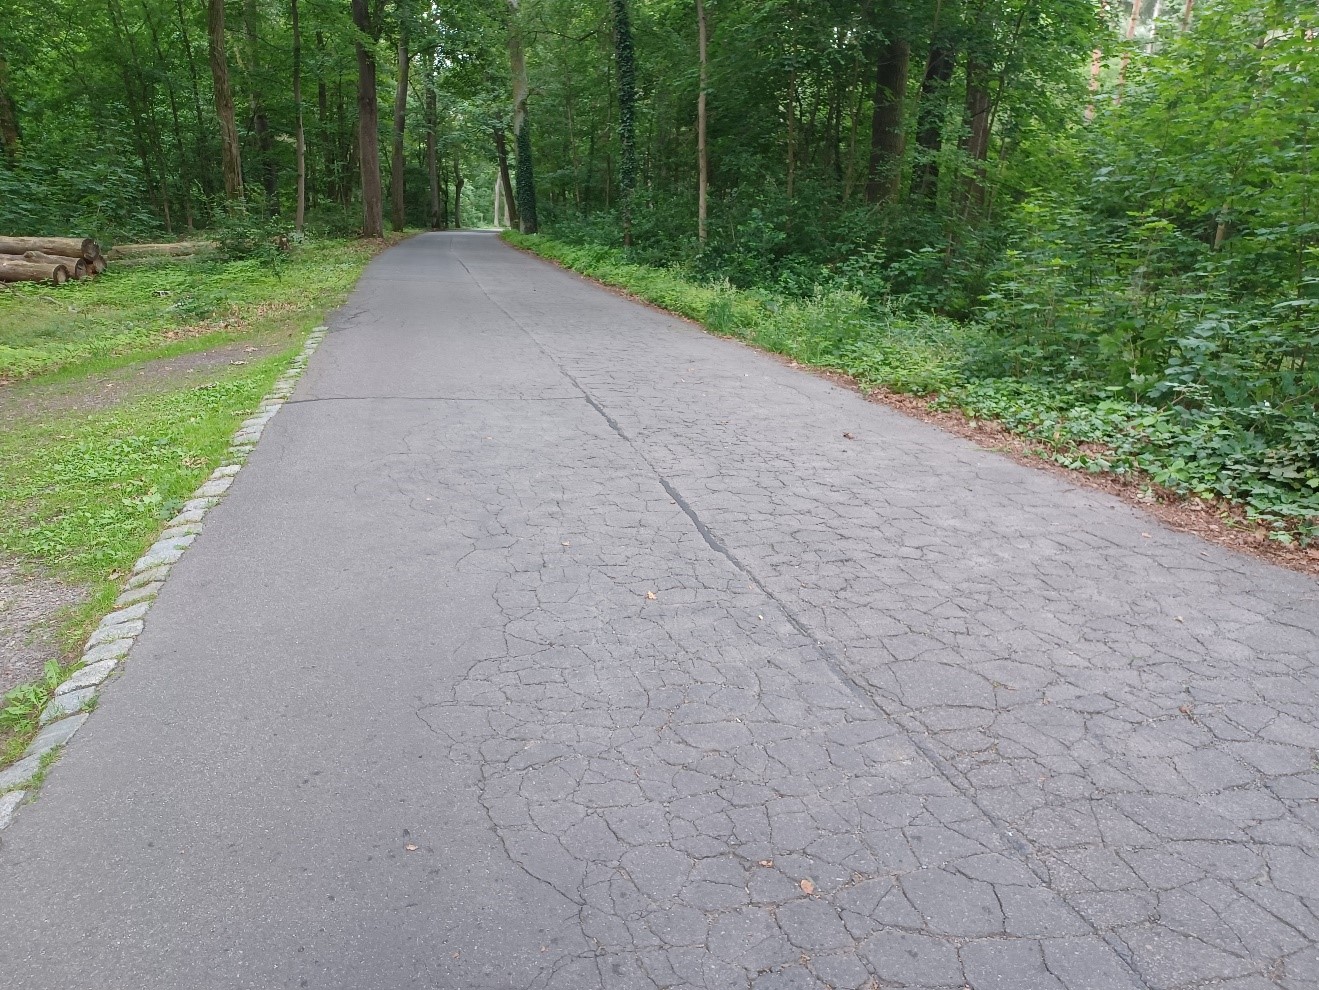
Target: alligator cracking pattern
{"points": [[774, 707]]}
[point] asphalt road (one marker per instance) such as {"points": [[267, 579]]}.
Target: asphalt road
{"points": [[549, 642]]}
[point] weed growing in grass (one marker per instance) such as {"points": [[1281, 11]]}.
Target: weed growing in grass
{"points": [[21, 707]]}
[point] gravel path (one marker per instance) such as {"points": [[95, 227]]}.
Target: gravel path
{"points": [[547, 642]]}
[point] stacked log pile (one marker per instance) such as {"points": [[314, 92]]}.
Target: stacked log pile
{"points": [[59, 259], [49, 259]]}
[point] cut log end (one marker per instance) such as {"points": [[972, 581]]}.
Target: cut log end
{"points": [[22, 270]]}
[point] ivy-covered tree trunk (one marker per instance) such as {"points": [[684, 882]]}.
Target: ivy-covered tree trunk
{"points": [[396, 164], [625, 55], [888, 132], [224, 102], [368, 122], [528, 222], [702, 150]]}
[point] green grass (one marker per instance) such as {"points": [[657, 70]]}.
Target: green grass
{"points": [[130, 314], [84, 494], [20, 710], [1259, 460]]}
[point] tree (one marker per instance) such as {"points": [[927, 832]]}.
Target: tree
{"points": [[888, 128], [528, 221], [367, 22], [265, 141], [9, 133], [299, 136], [702, 145], [224, 102], [396, 167], [625, 55]]}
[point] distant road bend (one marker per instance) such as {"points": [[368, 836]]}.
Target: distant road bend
{"points": [[549, 643]]}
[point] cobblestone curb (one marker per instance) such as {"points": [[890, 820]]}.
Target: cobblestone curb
{"points": [[109, 645]]}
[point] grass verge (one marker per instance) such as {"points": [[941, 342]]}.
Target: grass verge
{"points": [[1247, 479], [130, 314]]}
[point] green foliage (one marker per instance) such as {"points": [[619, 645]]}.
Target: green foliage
{"points": [[22, 705], [243, 235]]}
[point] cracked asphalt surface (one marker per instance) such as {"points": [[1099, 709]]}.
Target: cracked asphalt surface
{"points": [[548, 642]]}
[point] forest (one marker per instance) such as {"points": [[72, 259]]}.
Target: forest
{"points": [[1095, 223]]}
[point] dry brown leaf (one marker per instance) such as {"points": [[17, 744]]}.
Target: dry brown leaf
{"points": [[807, 886], [767, 862], [410, 847], [651, 595]]}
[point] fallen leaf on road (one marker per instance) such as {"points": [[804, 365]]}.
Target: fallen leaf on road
{"points": [[651, 595], [807, 886], [767, 862], [410, 847]]}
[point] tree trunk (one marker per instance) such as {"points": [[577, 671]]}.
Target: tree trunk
{"points": [[18, 270], [299, 135], [368, 123], [457, 192], [976, 144], [625, 55], [929, 137], [10, 138], [328, 159], [78, 267], [172, 249], [185, 169], [792, 132], [265, 141], [501, 154], [224, 102], [432, 169], [702, 150], [887, 133], [398, 214], [68, 247], [528, 221], [201, 142]]}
